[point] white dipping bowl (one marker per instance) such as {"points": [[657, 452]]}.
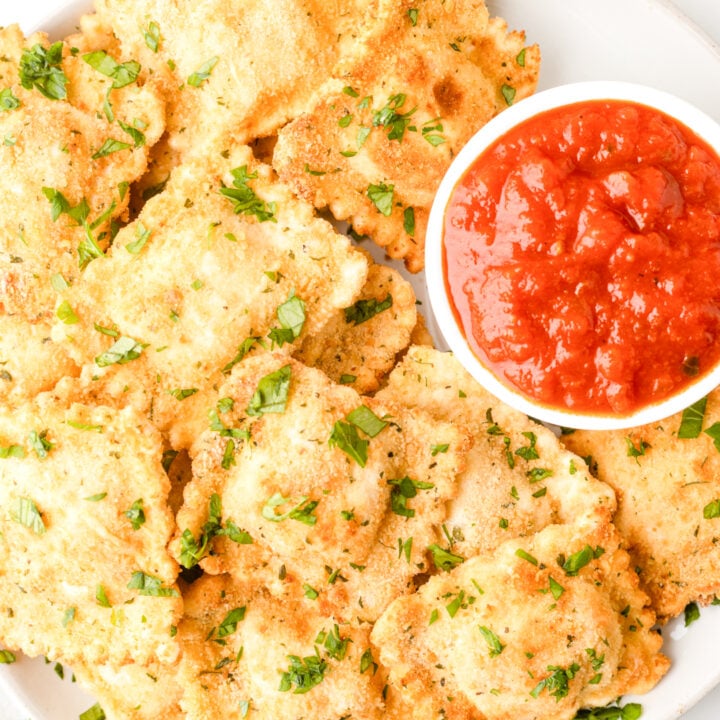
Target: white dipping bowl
{"points": [[686, 114]]}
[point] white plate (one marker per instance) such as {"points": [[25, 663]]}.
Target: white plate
{"points": [[646, 41]]}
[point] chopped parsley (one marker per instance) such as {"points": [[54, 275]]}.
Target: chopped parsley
{"points": [[109, 147], [88, 249], [494, 644], [634, 450], [692, 420], [557, 683], [390, 117], [122, 74], [712, 510], [291, 315], [150, 585], [367, 421], [344, 436], [141, 237], [459, 602], [714, 432], [367, 662], [409, 221], [68, 616], [183, 393], [444, 559], [364, 310], [7, 657], [66, 314], [303, 673], [230, 622], [97, 497], [272, 393], [556, 589], [244, 199], [93, 713], [335, 646], [192, 550], [508, 93], [577, 561], [25, 512], [101, 597], [302, 511], [40, 444], [122, 351], [431, 132], [524, 555], [152, 36], [536, 474], [244, 348], [41, 68], [8, 101], [405, 548], [60, 205], [136, 514], [12, 451], [203, 72], [405, 489], [528, 452], [134, 131], [692, 613], [630, 711], [381, 196]]}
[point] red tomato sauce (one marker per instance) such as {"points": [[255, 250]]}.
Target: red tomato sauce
{"points": [[582, 257]]}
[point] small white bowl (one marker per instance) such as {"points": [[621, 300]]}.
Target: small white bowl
{"points": [[682, 111]]}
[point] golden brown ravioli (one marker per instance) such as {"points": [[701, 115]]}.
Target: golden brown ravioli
{"points": [[668, 491], [377, 138]]}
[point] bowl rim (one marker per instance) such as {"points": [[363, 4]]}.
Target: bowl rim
{"points": [[682, 111]]}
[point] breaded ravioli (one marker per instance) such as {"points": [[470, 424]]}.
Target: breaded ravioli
{"points": [[74, 137], [133, 691], [224, 260], [667, 480], [302, 480], [232, 69], [379, 135], [518, 477], [272, 657], [360, 345], [539, 628], [86, 575]]}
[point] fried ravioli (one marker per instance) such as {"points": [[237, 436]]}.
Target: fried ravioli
{"points": [[274, 657], [324, 485], [667, 484], [67, 166], [360, 345], [133, 691], [85, 525], [380, 134], [538, 628], [196, 281], [518, 478], [232, 69]]}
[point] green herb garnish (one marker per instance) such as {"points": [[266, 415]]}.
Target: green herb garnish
{"points": [[41, 68]]}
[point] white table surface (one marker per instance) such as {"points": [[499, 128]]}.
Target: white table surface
{"points": [[705, 13]]}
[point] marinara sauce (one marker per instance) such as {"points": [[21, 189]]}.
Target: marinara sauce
{"points": [[582, 256]]}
